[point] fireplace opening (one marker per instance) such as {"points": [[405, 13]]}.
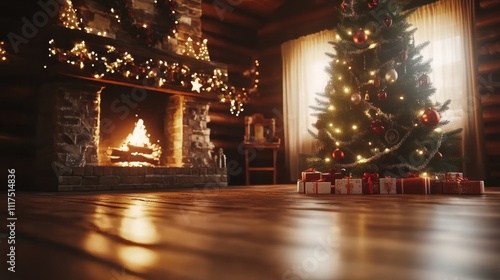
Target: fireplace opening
{"points": [[132, 127]]}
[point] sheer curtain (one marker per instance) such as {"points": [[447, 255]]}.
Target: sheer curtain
{"points": [[448, 25], [304, 62]]}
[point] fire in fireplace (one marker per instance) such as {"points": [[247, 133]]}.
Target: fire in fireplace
{"points": [[136, 149]]}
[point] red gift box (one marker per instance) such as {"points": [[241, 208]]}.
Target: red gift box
{"points": [[310, 175], [371, 183], [415, 185], [436, 187], [463, 187]]}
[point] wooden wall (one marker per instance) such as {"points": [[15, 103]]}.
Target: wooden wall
{"points": [[488, 48]]}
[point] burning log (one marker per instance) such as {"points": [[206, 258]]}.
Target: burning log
{"points": [[139, 150], [134, 158]]}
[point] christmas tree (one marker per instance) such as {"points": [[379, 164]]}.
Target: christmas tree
{"points": [[376, 114]]}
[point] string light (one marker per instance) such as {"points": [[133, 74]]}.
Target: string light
{"points": [[68, 16], [3, 52]]}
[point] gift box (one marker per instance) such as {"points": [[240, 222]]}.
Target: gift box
{"points": [[453, 176], [348, 186], [371, 183], [436, 186], [388, 185], [301, 186], [331, 177], [318, 187], [463, 187], [415, 185], [310, 175]]}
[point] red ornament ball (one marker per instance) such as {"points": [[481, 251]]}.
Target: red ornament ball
{"points": [[372, 4], [430, 117], [387, 20], [382, 95], [338, 155], [360, 37], [377, 127], [439, 155]]}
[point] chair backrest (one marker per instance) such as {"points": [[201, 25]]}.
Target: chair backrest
{"points": [[259, 129]]}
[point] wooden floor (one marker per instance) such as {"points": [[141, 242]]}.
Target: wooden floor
{"points": [[256, 232]]}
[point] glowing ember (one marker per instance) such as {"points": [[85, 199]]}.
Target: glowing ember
{"points": [[137, 149]]}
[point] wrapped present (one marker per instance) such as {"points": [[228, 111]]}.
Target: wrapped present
{"points": [[436, 186], [463, 187], [388, 185], [301, 186], [438, 176], [413, 185], [371, 183], [310, 175], [318, 187], [454, 176], [348, 186], [331, 177]]}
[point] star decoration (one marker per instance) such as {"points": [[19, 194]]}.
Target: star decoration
{"points": [[196, 85]]}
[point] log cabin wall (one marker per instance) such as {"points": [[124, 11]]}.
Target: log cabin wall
{"points": [[488, 51]]}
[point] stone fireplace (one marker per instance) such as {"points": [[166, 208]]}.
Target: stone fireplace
{"points": [[85, 124]]}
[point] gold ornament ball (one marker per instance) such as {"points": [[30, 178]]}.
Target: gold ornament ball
{"points": [[391, 76]]}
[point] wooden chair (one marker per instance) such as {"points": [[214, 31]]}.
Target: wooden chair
{"points": [[260, 135]]}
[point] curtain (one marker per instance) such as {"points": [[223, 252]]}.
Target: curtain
{"points": [[304, 62], [448, 25]]}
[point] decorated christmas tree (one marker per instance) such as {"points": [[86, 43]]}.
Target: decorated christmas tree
{"points": [[376, 113]]}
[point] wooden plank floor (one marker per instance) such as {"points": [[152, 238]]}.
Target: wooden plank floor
{"points": [[256, 232]]}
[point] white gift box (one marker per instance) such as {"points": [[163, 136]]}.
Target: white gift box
{"points": [[348, 186], [301, 186], [318, 187], [387, 185]]}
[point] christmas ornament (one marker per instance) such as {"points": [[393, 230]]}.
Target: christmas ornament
{"points": [[387, 20], [367, 96], [376, 81], [356, 98], [424, 81], [439, 155], [372, 4], [430, 117], [360, 37], [382, 95], [391, 76], [345, 5], [391, 136], [338, 155], [377, 127]]}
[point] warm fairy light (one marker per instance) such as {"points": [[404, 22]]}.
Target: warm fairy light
{"points": [[330, 124], [337, 130], [347, 90], [68, 16], [370, 143], [372, 45], [349, 32], [421, 112], [386, 150], [367, 32], [425, 175], [140, 138], [337, 143], [372, 73], [420, 152], [337, 61], [401, 97], [327, 159], [144, 26], [3, 53], [354, 127], [340, 78], [438, 130], [331, 108], [344, 62]]}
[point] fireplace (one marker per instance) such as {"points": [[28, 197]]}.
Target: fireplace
{"points": [[96, 137]]}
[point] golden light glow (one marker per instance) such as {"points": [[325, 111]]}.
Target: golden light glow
{"points": [[401, 97], [337, 143], [347, 90], [354, 127], [370, 143], [3, 53], [337, 130], [330, 124], [327, 159], [140, 138], [331, 108], [349, 32]]}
